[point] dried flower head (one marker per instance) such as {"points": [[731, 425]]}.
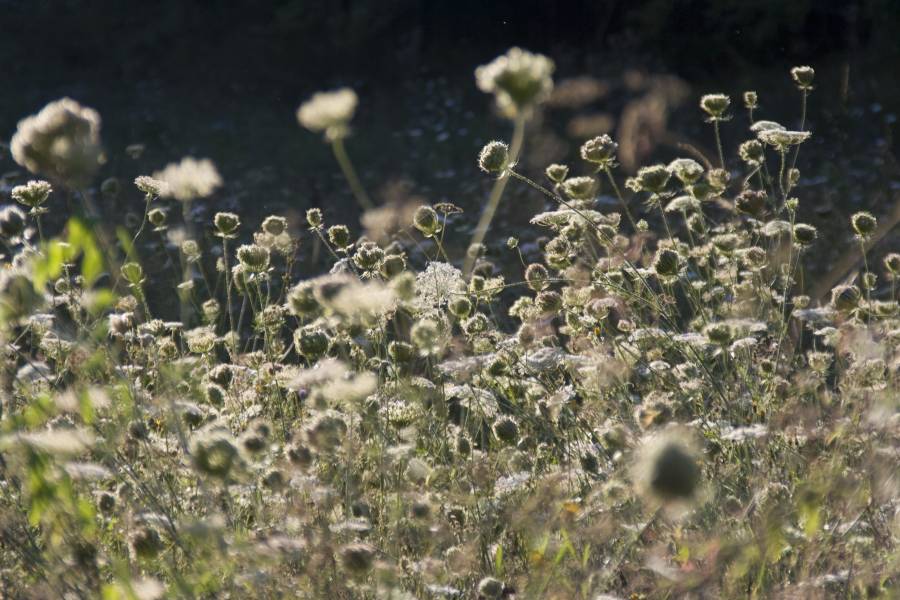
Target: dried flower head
{"points": [[667, 468], [715, 105], [803, 77], [601, 151], [518, 79], [782, 139], [580, 188], [33, 194], [557, 173], [226, 224], [864, 224], [329, 112], [61, 142], [253, 258], [189, 179], [687, 170], [494, 157], [651, 179], [151, 186]]}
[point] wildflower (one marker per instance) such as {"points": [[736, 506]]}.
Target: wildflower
{"points": [[715, 106], [845, 297], [146, 542], [253, 258], [803, 77], [392, 265], [490, 588], [274, 225], [557, 173], [892, 263], [751, 202], [804, 234], [368, 256], [601, 151], [752, 152], [494, 157], [189, 179], [506, 430], [782, 139], [666, 263], [191, 251], [12, 222], [214, 454], [427, 336], [688, 171], [311, 342], [314, 218], [200, 340], [763, 125], [651, 179], [548, 302], [151, 186], [329, 112], [339, 235], [33, 194], [61, 142], [580, 188], [751, 101], [667, 468], [157, 218], [226, 224], [357, 559], [864, 224], [426, 221], [518, 79], [477, 323], [536, 275]]}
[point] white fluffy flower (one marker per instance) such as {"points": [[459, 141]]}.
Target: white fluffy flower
{"points": [[328, 111], [189, 179]]}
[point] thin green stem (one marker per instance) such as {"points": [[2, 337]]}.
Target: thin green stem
{"points": [[487, 216], [618, 192], [340, 154]]}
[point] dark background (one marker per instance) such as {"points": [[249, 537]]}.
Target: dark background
{"points": [[223, 80]]}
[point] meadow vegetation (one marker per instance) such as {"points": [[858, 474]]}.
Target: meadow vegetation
{"points": [[639, 400]]}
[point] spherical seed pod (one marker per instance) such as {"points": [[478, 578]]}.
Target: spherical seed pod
{"points": [[339, 235], [557, 173], [715, 105], [426, 220], [537, 277], [494, 157], [226, 224], [864, 224]]}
